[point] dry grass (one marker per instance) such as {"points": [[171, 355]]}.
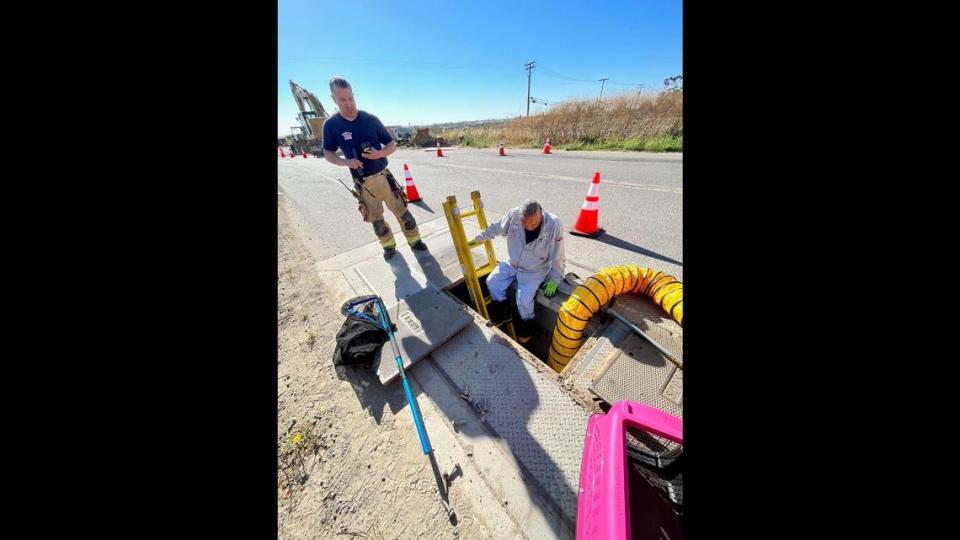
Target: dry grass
{"points": [[293, 453], [624, 122]]}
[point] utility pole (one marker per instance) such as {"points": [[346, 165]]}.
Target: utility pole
{"points": [[603, 81], [529, 67]]}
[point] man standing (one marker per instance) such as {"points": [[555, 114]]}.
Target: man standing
{"points": [[535, 252], [366, 145]]}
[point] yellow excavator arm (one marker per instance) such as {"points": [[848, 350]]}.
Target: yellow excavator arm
{"points": [[312, 114]]}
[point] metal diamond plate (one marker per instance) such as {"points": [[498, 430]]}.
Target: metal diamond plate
{"points": [[641, 373], [592, 361], [642, 311], [543, 427]]}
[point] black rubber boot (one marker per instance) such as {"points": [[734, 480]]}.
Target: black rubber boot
{"points": [[389, 252], [523, 329], [419, 246], [498, 312]]}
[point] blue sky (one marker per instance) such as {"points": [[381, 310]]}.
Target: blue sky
{"points": [[431, 61]]}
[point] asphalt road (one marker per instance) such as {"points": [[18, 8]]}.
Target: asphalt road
{"points": [[641, 198]]}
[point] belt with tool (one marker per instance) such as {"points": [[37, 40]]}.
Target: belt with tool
{"points": [[372, 175]]}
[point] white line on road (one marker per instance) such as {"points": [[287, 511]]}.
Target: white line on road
{"points": [[334, 180], [664, 189], [661, 189]]}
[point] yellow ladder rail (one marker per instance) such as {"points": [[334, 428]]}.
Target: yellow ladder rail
{"points": [[472, 274]]}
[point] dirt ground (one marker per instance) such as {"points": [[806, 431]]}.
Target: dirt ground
{"points": [[349, 461]]}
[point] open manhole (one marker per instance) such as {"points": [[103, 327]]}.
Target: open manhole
{"points": [[545, 318], [614, 366]]}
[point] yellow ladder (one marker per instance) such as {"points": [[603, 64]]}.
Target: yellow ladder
{"points": [[471, 274]]}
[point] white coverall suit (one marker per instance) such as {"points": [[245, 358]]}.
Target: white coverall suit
{"points": [[529, 263]]}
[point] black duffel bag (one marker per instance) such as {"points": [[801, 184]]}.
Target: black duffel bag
{"points": [[358, 340]]}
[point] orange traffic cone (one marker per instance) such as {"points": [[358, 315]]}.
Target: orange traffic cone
{"points": [[501, 148], [282, 153], [304, 154], [439, 152], [412, 195], [587, 222], [546, 146]]}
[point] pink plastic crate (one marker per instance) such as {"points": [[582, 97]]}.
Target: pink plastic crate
{"points": [[604, 500]]}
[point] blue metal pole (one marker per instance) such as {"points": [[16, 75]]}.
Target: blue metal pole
{"points": [[421, 431]]}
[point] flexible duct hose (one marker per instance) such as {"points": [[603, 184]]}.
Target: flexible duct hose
{"points": [[596, 292]]}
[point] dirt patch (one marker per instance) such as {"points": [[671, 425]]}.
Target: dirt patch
{"points": [[348, 459]]}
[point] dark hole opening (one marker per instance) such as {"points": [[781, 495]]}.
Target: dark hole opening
{"points": [[545, 318]]}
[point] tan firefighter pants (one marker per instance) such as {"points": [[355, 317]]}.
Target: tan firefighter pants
{"points": [[375, 192]]}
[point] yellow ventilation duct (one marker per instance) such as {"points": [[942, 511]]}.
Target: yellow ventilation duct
{"points": [[596, 292]]}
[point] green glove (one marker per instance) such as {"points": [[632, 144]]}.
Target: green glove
{"points": [[550, 288]]}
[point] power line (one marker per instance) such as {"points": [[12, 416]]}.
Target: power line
{"points": [[642, 85], [374, 62], [553, 73]]}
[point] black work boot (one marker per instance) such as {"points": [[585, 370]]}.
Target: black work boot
{"points": [[389, 252], [523, 330], [498, 312], [419, 246]]}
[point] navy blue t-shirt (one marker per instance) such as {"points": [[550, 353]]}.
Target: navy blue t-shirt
{"points": [[340, 132]]}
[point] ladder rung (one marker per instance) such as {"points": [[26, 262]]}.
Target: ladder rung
{"points": [[468, 214], [484, 270]]}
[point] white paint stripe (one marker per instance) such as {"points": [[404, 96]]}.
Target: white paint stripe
{"points": [[594, 190], [664, 189], [334, 180]]}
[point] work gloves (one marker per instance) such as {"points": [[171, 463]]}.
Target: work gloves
{"points": [[550, 288]]}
